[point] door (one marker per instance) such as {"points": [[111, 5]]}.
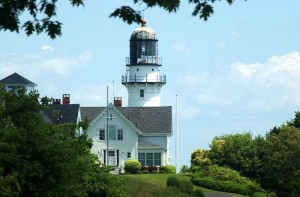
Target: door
{"points": [[111, 158]]}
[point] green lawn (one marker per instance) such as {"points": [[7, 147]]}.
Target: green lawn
{"points": [[154, 185]]}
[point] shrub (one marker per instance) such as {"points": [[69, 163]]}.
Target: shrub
{"points": [[144, 168], [151, 168], [162, 172], [173, 181], [183, 185], [155, 172], [145, 171], [259, 194], [226, 186], [199, 193], [132, 166], [169, 169]]}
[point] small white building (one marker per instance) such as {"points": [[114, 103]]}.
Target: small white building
{"points": [[15, 80], [140, 131]]}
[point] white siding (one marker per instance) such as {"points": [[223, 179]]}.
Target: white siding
{"points": [[128, 144]]}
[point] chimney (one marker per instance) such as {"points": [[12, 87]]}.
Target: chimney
{"points": [[118, 101], [56, 102], [66, 99]]}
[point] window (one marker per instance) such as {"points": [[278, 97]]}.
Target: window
{"points": [[120, 134], [149, 159], [142, 158], [112, 133], [129, 155], [157, 159], [111, 153], [141, 93], [101, 134]]}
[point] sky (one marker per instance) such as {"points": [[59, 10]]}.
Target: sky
{"points": [[237, 72]]}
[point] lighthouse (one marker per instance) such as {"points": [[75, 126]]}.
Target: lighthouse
{"points": [[142, 78]]}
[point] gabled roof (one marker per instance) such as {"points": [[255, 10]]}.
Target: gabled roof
{"points": [[149, 120], [16, 79], [61, 113]]}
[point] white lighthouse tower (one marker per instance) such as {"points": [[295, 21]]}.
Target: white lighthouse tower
{"points": [[142, 79]]}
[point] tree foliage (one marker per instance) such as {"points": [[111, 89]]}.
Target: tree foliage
{"points": [[282, 161], [200, 158], [43, 12], [41, 159], [240, 152]]}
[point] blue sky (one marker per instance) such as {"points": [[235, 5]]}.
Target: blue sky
{"points": [[239, 71]]}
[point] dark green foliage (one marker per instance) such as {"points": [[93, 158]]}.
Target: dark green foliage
{"points": [[259, 194], [42, 13], [169, 169], [132, 166], [41, 159], [199, 193], [240, 152], [173, 181], [282, 162], [183, 185]]}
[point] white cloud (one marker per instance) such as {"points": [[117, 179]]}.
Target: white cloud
{"points": [[182, 48], [47, 48], [245, 71], [274, 83], [62, 65], [277, 70]]}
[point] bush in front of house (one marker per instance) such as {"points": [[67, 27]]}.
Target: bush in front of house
{"points": [[169, 169], [132, 166], [183, 185]]}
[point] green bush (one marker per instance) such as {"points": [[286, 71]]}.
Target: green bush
{"points": [[173, 181], [259, 194], [218, 173], [183, 185], [169, 169], [145, 172], [132, 166], [198, 192], [225, 186]]}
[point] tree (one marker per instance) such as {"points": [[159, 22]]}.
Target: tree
{"points": [[41, 159], [240, 152], [200, 158], [281, 171], [43, 12]]}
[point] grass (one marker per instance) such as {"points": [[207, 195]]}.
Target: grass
{"points": [[154, 185]]}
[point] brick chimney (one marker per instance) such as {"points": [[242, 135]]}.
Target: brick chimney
{"points": [[118, 101], [66, 99], [56, 102]]}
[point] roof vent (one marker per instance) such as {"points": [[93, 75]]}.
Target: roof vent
{"points": [[118, 101]]}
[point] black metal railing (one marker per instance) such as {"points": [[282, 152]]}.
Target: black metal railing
{"points": [[147, 60], [147, 79]]}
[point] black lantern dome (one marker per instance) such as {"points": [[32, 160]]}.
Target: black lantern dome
{"points": [[144, 46]]}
